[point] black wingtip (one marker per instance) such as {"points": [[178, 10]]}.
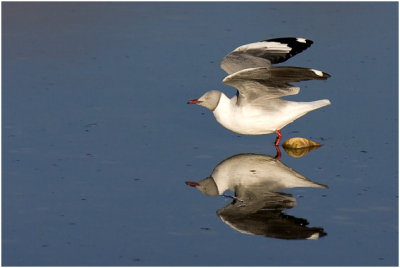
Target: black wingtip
{"points": [[297, 45], [293, 42]]}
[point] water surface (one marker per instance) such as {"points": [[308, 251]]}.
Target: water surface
{"points": [[98, 140]]}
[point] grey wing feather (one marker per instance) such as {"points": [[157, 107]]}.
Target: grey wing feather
{"points": [[270, 82], [237, 61], [263, 53]]}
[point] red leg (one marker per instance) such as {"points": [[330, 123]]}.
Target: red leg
{"points": [[278, 137], [278, 153]]}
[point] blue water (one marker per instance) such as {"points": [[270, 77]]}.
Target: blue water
{"points": [[98, 140]]}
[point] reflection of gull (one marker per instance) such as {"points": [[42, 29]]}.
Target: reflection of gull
{"points": [[260, 173], [257, 108], [257, 208]]}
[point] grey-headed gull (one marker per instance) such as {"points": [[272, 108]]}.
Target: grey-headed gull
{"points": [[257, 107]]}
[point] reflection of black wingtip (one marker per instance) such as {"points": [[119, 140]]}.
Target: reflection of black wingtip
{"points": [[318, 234], [271, 223]]}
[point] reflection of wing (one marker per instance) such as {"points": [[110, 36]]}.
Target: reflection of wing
{"points": [[273, 224], [260, 84], [268, 222], [250, 200], [264, 53]]}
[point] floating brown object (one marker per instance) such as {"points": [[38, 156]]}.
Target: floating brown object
{"points": [[298, 147], [298, 142]]}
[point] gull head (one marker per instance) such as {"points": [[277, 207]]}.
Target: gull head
{"points": [[207, 186], [209, 100]]}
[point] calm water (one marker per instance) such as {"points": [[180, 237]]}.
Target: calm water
{"points": [[98, 140]]}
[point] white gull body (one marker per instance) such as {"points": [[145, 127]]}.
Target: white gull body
{"points": [[257, 107], [258, 120]]}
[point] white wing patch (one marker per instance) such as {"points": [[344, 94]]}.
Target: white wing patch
{"points": [[313, 236], [266, 46], [319, 73], [301, 40]]}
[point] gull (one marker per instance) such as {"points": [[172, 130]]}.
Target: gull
{"points": [[257, 107]]}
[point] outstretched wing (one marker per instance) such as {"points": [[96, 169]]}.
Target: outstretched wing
{"points": [[263, 53], [270, 82]]}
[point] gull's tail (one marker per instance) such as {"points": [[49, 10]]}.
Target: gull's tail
{"points": [[319, 103]]}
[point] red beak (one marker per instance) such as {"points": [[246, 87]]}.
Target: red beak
{"points": [[192, 183], [195, 101]]}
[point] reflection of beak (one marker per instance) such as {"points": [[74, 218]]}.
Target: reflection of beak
{"points": [[192, 183], [195, 101]]}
